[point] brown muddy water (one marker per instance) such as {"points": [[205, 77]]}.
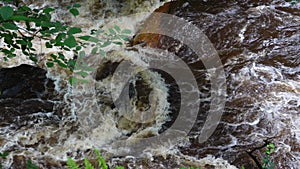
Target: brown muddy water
{"points": [[258, 43]]}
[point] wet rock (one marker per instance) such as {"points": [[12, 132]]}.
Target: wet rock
{"points": [[223, 23], [106, 69], [129, 126], [19, 162], [169, 161], [258, 44], [27, 95], [142, 111], [151, 40]]}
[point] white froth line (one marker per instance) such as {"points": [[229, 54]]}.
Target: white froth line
{"points": [[242, 32], [255, 122]]}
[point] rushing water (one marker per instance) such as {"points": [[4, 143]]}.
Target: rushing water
{"points": [[258, 43]]}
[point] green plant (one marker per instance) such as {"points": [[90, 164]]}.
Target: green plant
{"points": [[21, 25], [30, 165], [190, 168], [101, 162], [87, 165], [3, 156], [266, 162]]}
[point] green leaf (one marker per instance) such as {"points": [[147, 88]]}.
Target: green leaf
{"points": [[61, 64], [11, 55], [20, 18], [74, 11], [89, 38], [73, 81], [59, 37], [30, 165], [87, 164], [271, 146], [48, 45], [101, 161], [53, 56], [94, 50], [99, 31], [82, 54], [84, 37], [76, 5], [4, 154], [117, 28], [24, 8], [29, 44], [66, 49], [9, 25], [70, 42], [21, 42], [49, 64], [118, 43], [43, 17], [61, 56], [102, 52], [88, 69], [105, 44], [71, 64], [6, 12], [112, 31], [78, 48], [34, 59], [120, 167], [48, 10], [82, 74], [71, 163], [124, 37], [24, 52], [126, 31], [47, 24], [8, 38], [57, 25], [74, 30]]}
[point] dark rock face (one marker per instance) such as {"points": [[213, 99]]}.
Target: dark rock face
{"points": [[26, 95], [258, 43], [106, 69]]}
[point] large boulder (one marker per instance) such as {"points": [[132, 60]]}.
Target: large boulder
{"points": [[26, 96]]}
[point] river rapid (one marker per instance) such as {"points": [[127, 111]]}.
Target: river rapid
{"points": [[258, 45]]}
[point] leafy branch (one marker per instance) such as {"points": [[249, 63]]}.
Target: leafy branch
{"points": [[266, 162], [21, 25]]}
